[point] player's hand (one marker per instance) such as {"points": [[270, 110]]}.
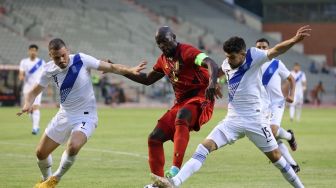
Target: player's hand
{"points": [[25, 109], [137, 69], [213, 91], [290, 99], [301, 33]]}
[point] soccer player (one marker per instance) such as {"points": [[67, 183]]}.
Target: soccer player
{"points": [[77, 118], [193, 76], [301, 86], [30, 73], [247, 111], [273, 72]]}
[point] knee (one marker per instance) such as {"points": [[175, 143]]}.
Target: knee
{"points": [[274, 155], [73, 149], [157, 135], [210, 145], [40, 154]]}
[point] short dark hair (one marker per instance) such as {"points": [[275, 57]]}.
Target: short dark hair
{"points": [[33, 46], [234, 45], [56, 44], [297, 64], [263, 40]]}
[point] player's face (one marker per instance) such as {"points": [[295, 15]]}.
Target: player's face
{"points": [[235, 59], [60, 57], [32, 53], [262, 45], [297, 68], [167, 44]]}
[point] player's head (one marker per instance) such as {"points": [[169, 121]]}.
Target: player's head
{"points": [[235, 50], [32, 51], [166, 41], [59, 53], [297, 67], [262, 44]]}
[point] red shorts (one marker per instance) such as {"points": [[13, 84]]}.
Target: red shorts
{"points": [[200, 108]]}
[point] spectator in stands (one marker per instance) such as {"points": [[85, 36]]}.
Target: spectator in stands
{"points": [[312, 68], [316, 94]]}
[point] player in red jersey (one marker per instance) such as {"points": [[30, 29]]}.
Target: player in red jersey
{"points": [[193, 76]]}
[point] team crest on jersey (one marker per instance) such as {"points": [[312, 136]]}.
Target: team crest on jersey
{"points": [[174, 67]]}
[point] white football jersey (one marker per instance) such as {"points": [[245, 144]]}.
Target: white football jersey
{"points": [[33, 72], [246, 92], [273, 72], [300, 78], [73, 84]]}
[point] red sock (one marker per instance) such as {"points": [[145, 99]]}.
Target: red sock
{"points": [[181, 139], [156, 157]]}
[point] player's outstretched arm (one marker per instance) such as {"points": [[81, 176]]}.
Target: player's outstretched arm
{"points": [[120, 69], [136, 75], [282, 47], [290, 96], [29, 99]]}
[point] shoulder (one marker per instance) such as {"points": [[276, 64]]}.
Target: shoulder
{"points": [[225, 65], [50, 67]]}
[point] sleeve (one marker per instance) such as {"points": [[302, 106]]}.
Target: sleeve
{"points": [[189, 54], [44, 79], [258, 56], [158, 65], [22, 67], [283, 71], [89, 61], [304, 79]]}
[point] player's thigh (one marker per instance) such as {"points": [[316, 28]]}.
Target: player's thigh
{"points": [[261, 135], [45, 147], [59, 128], [189, 112], [165, 127], [277, 113], [226, 132], [84, 130]]}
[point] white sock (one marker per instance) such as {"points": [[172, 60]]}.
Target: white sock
{"points": [[288, 172], [283, 134], [285, 153], [291, 111], [36, 119], [65, 164], [298, 112], [45, 167], [191, 166]]}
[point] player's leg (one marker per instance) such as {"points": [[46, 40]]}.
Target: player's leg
{"points": [[163, 131], [298, 111], [35, 115], [43, 153], [289, 158], [185, 119], [292, 111], [262, 137], [79, 136], [220, 136]]}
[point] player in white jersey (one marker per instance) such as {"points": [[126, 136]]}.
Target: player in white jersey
{"points": [[247, 111], [273, 72], [77, 118], [301, 86], [30, 73]]}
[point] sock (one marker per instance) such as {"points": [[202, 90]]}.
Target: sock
{"points": [[36, 119], [191, 166], [181, 139], [156, 157], [285, 153], [65, 164], [45, 167], [288, 173], [291, 111], [298, 112], [283, 134]]}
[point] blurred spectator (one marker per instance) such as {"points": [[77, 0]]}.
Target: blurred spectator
{"points": [[325, 68], [312, 68], [201, 44], [316, 94]]}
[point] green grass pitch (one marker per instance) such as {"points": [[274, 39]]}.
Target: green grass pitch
{"points": [[116, 155]]}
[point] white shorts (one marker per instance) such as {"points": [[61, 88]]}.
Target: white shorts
{"points": [[298, 100], [38, 99], [277, 111], [60, 127], [233, 128]]}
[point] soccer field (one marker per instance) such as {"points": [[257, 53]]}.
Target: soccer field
{"points": [[116, 155]]}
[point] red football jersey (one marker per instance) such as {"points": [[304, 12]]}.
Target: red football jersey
{"points": [[188, 79]]}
